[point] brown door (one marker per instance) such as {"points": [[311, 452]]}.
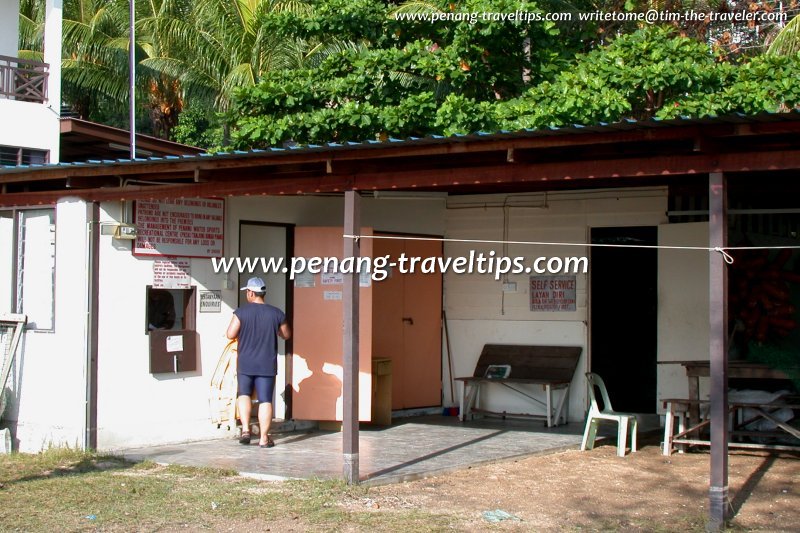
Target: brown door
{"points": [[317, 323], [407, 311], [387, 315]]}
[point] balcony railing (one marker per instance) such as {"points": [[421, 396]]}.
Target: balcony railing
{"points": [[22, 79]]}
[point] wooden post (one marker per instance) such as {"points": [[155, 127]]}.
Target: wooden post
{"points": [[718, 346], [352, 226]]}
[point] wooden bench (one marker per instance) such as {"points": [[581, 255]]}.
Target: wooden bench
{"points": [[550, 367]]}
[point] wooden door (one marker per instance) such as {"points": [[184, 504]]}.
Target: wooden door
{"points": [[407, 310], [318, 324], [387, 314]]}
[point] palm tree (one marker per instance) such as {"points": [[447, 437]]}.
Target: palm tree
{"points": [[164, 93], [226, 45], [94, 68], [31, 30], [787, 41]]}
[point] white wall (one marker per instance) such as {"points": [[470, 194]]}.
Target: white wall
{"points": [[683, 323], [49, 376], [479, 312], [9, 28], [27, 124], [401, 214], [52, 56], [137, 408]]}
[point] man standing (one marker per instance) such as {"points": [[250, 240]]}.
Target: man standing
{"points": [[257, 326]]}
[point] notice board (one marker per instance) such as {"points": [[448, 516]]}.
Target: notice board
{"points": [[181, 227], [553, 293]]}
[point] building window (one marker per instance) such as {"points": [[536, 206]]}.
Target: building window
{"points": [[170, 309], [14, 156], [170, 325], [7, 261], [28, 264]]}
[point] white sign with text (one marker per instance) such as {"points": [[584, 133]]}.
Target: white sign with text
{"points": [[184, 227], [172, 274]]}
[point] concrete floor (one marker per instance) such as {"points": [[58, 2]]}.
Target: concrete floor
{"points": [[411, 448]]}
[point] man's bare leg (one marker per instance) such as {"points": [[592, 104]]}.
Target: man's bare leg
{"points": [[264, 421], [245, 405]]}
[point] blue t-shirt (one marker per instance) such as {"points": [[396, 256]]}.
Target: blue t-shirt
{"points": [[258, 339]]}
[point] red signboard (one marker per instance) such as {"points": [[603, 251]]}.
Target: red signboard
{"points": [[186, 227]]}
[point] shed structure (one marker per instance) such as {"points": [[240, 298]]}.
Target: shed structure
{"points": [[639, 310]]}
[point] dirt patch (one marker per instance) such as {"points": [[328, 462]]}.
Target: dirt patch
{"points": [[598, 490]]}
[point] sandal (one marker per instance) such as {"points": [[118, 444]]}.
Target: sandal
{"points": [[269, 443], [244, 438]]}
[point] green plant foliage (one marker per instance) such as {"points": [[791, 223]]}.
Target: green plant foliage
{"points": [[787, 41], [461, 114], [199, 127], [785, 360], [650, 73], [342, 20], [409, 78], [633, 77], [766, 83]]}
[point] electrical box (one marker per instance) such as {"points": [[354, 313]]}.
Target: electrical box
{"points": [[125, 232]]}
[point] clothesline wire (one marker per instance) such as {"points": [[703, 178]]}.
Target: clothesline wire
{"points": [[721, 249]]}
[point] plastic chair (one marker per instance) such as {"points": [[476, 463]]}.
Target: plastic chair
{"points": [[623, 420]]}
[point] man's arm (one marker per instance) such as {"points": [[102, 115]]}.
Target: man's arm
{"points": [[233, 328], [284, 331]]}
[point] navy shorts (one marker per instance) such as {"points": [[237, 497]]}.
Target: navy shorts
{"points": [[264, 386]]}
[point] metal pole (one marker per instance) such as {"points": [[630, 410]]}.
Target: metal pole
{"points": [[132, 78], [93, 266], [352, 225], [718, 346]]}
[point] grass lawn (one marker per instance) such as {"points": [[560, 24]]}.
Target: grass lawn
{"points": [[65, 490]]}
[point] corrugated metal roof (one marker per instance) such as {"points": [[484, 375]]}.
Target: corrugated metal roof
{"points": [[551, 131]]}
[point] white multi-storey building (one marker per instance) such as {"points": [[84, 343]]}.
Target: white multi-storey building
{"points": [[30, 91]]}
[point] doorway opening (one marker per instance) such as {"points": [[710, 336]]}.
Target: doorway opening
{"points": [[272, 241], [624, 315]]}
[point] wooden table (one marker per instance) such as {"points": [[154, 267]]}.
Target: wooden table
{"points": [[687, 411], [736, 370], [679, 408]]}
